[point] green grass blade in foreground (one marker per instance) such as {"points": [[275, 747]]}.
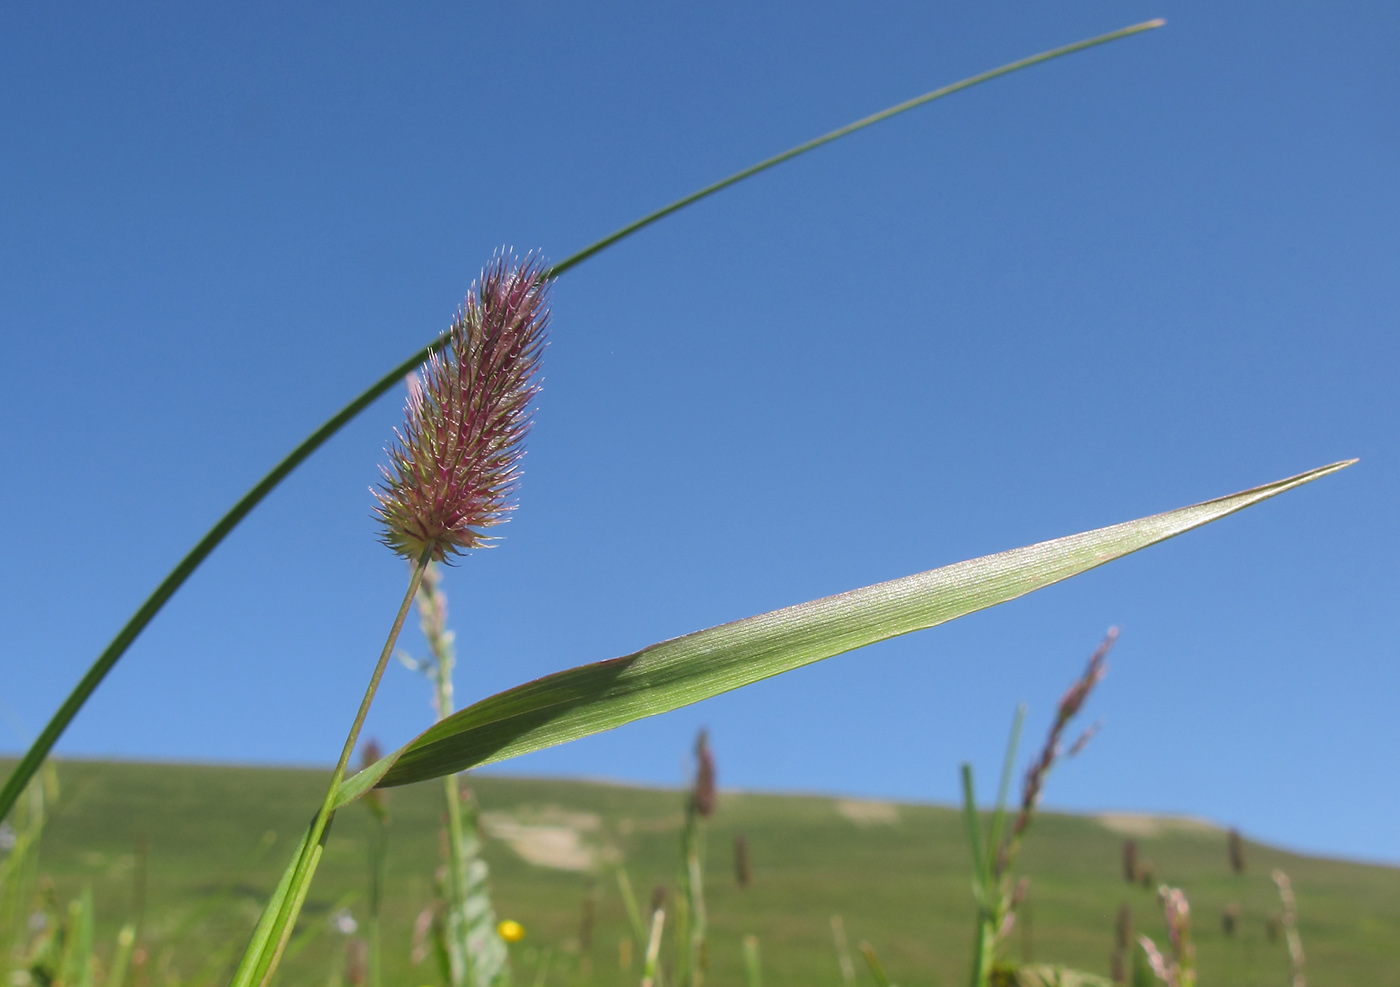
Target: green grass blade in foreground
{"points": [[196, 556], [243, 975], [592, 698]]}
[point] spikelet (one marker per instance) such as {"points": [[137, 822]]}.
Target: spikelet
{"points": [[1123, 929], [375, 798], [742, 874], [702, 797], [1288, 919], [1130, 861], [1070, 704], [455, 465], [1178, 970], [1236, 851]]}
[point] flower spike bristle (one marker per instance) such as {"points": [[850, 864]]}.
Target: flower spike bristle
{"points": [[455, 465]]}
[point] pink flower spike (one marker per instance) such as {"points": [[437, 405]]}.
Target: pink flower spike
{"points": [[1157, 961], [455, 466]]}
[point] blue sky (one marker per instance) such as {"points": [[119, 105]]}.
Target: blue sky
{"points": [[1141, 277]]}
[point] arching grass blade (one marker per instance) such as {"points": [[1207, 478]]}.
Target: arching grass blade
{"points": [[34, 757]]}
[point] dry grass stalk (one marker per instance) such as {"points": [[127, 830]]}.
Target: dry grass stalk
{"points": [[1289, 922]]}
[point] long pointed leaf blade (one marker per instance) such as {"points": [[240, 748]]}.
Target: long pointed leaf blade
{"points": [[592, 698]]}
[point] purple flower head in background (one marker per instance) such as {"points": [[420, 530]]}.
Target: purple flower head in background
{"points": [[703, 796], [455, 465]]}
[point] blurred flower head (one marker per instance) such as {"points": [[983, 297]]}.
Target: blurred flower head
{"points": [[510, 930], [1180, 969], [1236, 851], [1177, 912], [343, 922], [703, 796], [1070, 704], [375, 799], [455, 465]]}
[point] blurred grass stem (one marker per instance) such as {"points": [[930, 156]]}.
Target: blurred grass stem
{"points": [[1008, 769], [651, 967], [873, 962], [104, 663], [753, 965]]}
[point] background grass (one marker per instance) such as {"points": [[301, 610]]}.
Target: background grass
{"points": [[901, 884]]}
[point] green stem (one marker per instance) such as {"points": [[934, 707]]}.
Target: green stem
{"points": [[753, 970], [984, 938], [379, 852], [685, 904], [699, 920], [997, 861], [433, 610], [983, 949], [186, 567], [629, 902], [876, 970], [973, 825], [542, 971], [456, 882], [311, 855]]}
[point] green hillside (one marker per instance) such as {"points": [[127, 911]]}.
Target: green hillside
{"points": [[896, 873]]}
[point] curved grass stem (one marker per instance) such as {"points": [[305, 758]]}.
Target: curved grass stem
{"points": [[39, 750]]}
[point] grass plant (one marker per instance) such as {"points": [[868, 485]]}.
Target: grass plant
{"points": [[996, 895], [451, 476], [692, 920]]}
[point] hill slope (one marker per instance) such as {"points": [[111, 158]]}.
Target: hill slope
{"points": [[896, 873]]}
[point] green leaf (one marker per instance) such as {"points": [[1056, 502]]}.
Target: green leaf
{"points": [[121, 956], [629, 902], [75, 965], [592, 698], [980, 872], [1008, 767]]}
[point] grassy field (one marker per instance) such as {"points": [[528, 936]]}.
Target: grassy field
{"points": [[896, 873]]}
